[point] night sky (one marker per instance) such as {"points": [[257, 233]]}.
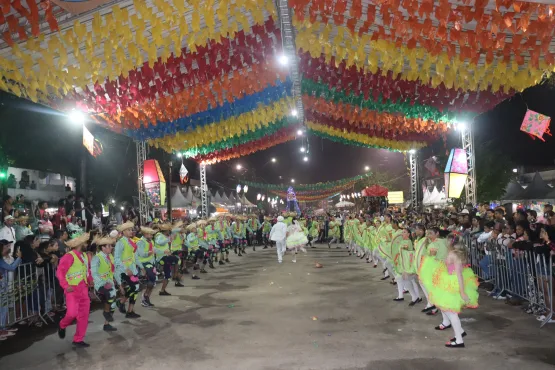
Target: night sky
{"points": [[36, 137]]}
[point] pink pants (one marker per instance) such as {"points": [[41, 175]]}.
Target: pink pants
{"points": [[78, 306]]}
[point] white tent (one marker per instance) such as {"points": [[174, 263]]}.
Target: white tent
{"points": [[246, 202], [179, 200], [434, 197], [344, 204]]}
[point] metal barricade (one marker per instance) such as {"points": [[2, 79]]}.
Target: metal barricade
{"points": [[29, 293], [524, 274]]}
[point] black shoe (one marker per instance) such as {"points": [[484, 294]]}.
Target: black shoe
{"points": [[428, 309], [149, 303], [240, 255], [132, 315], [221, 263], [163, 292], [329, 245], [211, 265], [195, 267], [227, 260], [432, 312], [185, 272], [81, 345], [253, 249], [415, 302], [441, 327], [203, 271], [455, 339], [109, 328], [454, 344], [399, 299], [121, 306], [244, 251], [61, 333], [265, 247], [195, 277], [108, 316], [385, 278], [179, 285]]}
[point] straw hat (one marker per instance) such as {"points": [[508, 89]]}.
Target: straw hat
{"points": [[80, 240], [125, 226], [201, 223], [212, 219], [22, 219], [191, 226], [165, 227], [106, 240], [178, 225], [147, 230]]}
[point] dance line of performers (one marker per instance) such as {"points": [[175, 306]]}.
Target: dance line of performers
{"points": [[415, 260], [161, 252]]}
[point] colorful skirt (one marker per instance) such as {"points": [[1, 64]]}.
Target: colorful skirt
{"points": [[296, 240], [443, 288]]}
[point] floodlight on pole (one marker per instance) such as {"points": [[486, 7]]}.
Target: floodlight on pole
{"points": [[294, 113], [238, 166], [299, 132], [283, 60], [76, 116]]}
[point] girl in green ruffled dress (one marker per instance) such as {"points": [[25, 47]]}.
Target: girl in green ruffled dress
{"points": [[451, 287]]}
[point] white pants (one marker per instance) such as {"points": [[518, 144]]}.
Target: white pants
{"points": [[452, 318], [280, 247], [428, 304], [411, 285]]}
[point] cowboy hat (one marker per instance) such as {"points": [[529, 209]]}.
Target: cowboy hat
{"points": [[147, 230], [165, 227], [106, 240]]}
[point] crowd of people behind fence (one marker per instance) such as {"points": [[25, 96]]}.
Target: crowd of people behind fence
{"points": [[31, 292]]}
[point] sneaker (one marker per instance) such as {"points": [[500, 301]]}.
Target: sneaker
{"points": [[195, 267], [541, 318], [179, 285], [144, 303], [164, 293], [227, 260], [108, 316], [109, 328], [61, 333], [81, 345], [399, 299], [132, 315]]}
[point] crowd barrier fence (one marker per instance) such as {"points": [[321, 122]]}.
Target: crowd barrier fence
{"points": [[523, 274]]}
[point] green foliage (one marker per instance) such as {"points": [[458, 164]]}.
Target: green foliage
{"points": [[493, 172]]}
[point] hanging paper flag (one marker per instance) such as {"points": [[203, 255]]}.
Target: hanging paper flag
{"points": [[431, 165], [456, 173], [183, 174], [535, 124]]}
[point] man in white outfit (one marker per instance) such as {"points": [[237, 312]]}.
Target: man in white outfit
{"points": [[278, 234]]}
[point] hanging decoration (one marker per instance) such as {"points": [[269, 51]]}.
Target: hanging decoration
{"points": [[362, 88], [456, 172], [183, 174], [373, 53], [292, 204], [535, 124], [311, 187], [154, 182], [33, 12]]}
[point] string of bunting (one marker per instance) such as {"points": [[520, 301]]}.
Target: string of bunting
{"points": [[255, 117], [188, 102], [47, 75], [415, 63], [280, 137], [309, 187], [205, 71], [382, 86], [234, 141], [371, 119], [351, 138], [31, 13], [389, 134], [497, 33]]}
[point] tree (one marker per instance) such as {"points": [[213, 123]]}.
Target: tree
{"points": [[493, 172]]}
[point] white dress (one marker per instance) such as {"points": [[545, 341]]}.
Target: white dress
{"points": [[296, 237]]}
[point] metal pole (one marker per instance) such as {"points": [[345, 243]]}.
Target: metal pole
{"points": [[141, 148], [203, 191], [413, 163], [169, 192], [290, 51], [467, 136]]}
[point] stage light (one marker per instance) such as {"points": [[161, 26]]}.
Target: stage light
{"points": [[258, 196], [245, 188], [412, 151], [283, 60], [238, 166], [76, 117], [113, 201], [515, 170], [179, 155], [293, 181], [366, 168], [460, 126], [294, 113], [305, 159], [302, 149], [238, 188], [274, 160], [299, 132]]}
